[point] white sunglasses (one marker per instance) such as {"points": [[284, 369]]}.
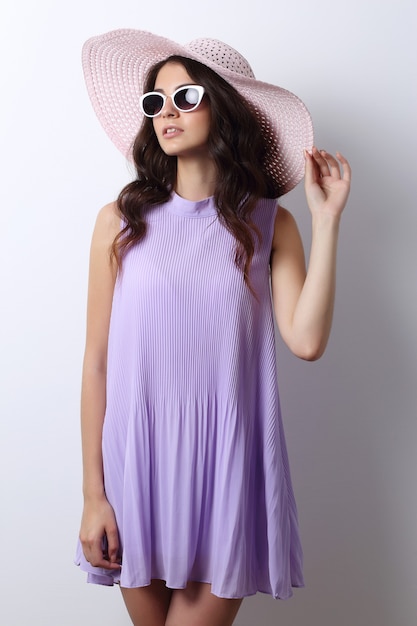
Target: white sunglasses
{"points": [[184, 99]]}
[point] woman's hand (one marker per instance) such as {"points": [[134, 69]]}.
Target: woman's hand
{"points": [[327, 189], [99, 536]]}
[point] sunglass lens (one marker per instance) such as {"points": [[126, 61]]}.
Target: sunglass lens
{"points": [[152, 104], [187, 99]]}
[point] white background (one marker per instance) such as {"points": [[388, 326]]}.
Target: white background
{"points": [[351, 418]]}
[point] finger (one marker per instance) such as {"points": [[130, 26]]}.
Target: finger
{"points": [[321, 162], [109, 565], [347, 172], [98, 559], [312, 172], [332, 163], [93, 552], [113, 545], [105, 564]]}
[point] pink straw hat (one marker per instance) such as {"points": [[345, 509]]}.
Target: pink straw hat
{"points": [[115, 67]]}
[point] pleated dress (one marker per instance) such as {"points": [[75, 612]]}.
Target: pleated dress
{"points": [[195, 460]]}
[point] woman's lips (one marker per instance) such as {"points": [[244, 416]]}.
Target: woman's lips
{"points": [[171, 131]]}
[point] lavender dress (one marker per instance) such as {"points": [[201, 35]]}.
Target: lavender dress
{"points": [[195, 461]]}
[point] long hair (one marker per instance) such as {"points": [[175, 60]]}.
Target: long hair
{"points": [[238, 148]]}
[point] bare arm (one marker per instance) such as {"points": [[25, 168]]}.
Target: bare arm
{"points": [[304, 300], [98, 517]]}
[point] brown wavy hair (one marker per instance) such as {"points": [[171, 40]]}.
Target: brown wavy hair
{"points": [[238, 148]]}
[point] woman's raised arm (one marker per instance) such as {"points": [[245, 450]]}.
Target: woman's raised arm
{"points": [[304, 300]]}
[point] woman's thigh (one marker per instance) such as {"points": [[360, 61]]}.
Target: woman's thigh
{"points": [[148, 606], [197, 606]]}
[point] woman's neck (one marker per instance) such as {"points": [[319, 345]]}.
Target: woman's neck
{"points": [[196, 180]]}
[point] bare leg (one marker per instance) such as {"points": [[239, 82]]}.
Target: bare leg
{"points": [[197, 606], [148, 606]]}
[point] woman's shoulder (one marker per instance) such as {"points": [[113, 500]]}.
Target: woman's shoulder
{"points": [[109, 214], [285, 228], [108, 221], [283, 214]]}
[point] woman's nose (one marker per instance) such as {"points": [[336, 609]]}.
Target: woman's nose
{"points": [[168, 110]]}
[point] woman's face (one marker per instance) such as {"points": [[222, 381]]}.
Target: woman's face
{"points": [[180, 134]]}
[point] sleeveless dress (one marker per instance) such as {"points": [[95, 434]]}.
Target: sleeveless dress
{"points": [[195, 461]]}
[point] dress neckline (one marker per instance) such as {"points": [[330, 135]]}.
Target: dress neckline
{"points": [[191, 208]]}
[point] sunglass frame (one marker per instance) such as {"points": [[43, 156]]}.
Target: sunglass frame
{"points": [[199, 88]]}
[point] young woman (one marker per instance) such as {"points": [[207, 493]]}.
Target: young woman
{"points": [[188, 498]]}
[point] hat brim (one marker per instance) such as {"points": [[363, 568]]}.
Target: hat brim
{"points": [[116, 64]]}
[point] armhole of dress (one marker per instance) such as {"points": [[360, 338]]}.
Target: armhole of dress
{"points": [[274, 211], [273, 207]]}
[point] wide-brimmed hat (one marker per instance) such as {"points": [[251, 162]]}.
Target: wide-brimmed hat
{"points": [[115, 67]]}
